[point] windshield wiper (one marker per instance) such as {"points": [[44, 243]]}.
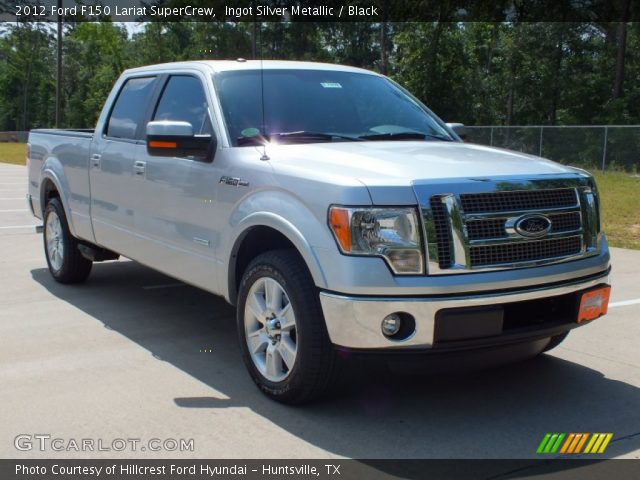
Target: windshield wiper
{"points": [[304, 135], [402, 136]]}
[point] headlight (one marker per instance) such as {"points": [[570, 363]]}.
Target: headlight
{"points": [[390, 233]]}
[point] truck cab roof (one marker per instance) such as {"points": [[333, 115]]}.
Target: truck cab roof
{"points": [[242, 64]]}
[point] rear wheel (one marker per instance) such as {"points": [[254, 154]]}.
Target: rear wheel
{"points": [[66, 263], [555, 341], [282, 333]]}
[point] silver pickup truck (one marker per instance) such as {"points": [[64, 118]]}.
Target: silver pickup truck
{"points": [[332, 208]]}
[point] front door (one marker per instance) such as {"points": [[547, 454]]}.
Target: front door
{"points": [[175, 210]]}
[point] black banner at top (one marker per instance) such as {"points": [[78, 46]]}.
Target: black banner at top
{"points": [[320, 11]]}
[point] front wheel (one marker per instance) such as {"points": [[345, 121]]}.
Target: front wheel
{"points": [[282, 333], [66, 263]]}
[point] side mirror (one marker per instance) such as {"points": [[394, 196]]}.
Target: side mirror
{"points": [[169, 138], [460, 130]]}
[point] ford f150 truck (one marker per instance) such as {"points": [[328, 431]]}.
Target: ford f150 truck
{"points": [[331, 207]]}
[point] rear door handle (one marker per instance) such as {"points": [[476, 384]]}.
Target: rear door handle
{"points": [[139, 168], [95, 160]]}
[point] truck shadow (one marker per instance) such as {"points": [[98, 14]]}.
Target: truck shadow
{"points": [[377, 413]]}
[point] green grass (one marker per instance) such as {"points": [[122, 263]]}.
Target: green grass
{"points": [[15, 153], [619, 194], [620, 199]]}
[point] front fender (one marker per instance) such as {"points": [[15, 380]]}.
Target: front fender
{"points": [[288, 215], [293, 234]]}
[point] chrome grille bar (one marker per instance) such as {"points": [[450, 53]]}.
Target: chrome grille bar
{"points": [[470, 223]]}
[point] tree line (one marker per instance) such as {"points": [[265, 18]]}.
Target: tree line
{"points": [[478, 73]]}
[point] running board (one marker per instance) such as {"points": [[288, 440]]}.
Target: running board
{"points": [[97, 254]]}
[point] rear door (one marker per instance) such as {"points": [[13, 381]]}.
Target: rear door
{"points": [[115, 183], [175, 208]]}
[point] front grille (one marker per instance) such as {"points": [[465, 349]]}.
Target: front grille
{"points": [[442, 231], [519, 200], [475, 226], [490, 228], [515, 252], [485, 229], [565, 222]]}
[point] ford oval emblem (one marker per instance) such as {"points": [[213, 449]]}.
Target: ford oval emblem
{"points": [[533, 226]]}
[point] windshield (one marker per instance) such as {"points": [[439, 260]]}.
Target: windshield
{"points": [[320, 106]]}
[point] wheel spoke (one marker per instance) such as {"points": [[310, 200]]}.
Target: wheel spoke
{"points": [[286, 317], [257, 307], [287, 350], [256, 341], [273, 362], [273, 295]]}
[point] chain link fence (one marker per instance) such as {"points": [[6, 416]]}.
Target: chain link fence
{"points": [[603, 146], [600, 146]]}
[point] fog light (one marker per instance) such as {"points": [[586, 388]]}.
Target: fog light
{"points": [[391, 325]]}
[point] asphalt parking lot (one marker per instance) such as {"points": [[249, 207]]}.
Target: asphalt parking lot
{"points": [[133, 354]]}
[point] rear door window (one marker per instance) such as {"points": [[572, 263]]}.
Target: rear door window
{"points": [[183, 99], [130, 107]]}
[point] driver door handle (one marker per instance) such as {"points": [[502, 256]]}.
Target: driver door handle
{"points": [[139, 167]]}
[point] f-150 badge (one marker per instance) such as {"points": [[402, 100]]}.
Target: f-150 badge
{"points": [[233, 181]]}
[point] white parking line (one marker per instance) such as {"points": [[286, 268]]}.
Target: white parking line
{"points": [[18, 226], [13, 198], [15, 210], [625, 303]]}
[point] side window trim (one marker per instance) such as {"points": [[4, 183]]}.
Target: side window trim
{"points": [[141, 133], [165, 83], [153, 97]]}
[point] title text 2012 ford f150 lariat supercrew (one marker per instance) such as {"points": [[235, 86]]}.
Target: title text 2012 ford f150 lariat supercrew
{"points": [[335, 210]]}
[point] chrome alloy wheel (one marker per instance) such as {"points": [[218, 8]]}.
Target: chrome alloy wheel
{"points": [[53, 236], [270, 329]]}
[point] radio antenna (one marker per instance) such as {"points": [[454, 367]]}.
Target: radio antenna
{"points": [[264, 157]]}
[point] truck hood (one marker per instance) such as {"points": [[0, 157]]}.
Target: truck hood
{"points": [[402, 163]]}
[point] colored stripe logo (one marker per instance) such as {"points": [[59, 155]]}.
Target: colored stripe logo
{"points": [[574, 443]]}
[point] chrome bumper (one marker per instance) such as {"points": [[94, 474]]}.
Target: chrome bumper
{"points": [[354, 322]]}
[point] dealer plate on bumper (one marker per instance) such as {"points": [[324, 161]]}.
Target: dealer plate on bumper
{"points": [[594, 304]]}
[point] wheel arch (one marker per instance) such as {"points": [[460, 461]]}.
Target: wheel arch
{"points": [[51, 187], [267, 233]]}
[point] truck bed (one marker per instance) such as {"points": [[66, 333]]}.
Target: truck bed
{"points": [[61, 156]]}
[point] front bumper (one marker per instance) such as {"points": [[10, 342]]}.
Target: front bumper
{"points": [[354, 322]]}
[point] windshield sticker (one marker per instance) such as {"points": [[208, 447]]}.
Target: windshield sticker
{"points": [[250, 132], [330, 85]]}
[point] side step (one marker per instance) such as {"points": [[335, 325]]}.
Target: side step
{"points": [[96, 254]]}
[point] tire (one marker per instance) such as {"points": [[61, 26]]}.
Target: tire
{"points": [[283, 336], [555, 341], [66, 263]]}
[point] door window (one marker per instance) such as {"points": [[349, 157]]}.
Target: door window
{"points": [[183, 99], [130, 107]]}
